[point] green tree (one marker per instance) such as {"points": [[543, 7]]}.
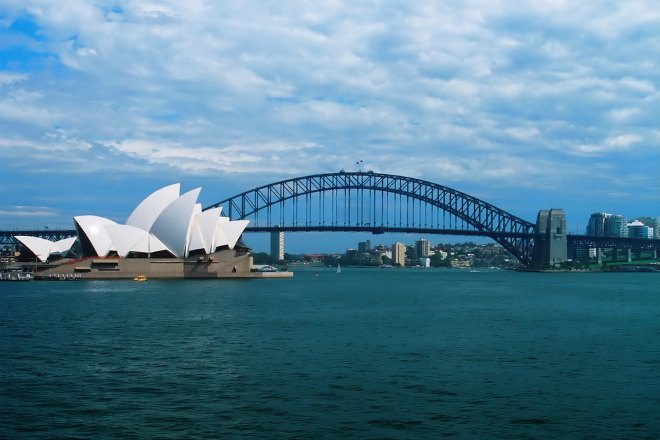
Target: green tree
{"points": [[261, 258], [437, 261]]}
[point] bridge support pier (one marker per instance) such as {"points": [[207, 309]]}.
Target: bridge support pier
{"points": [[551, 250]]}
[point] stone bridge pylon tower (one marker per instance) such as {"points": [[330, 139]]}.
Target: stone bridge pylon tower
{"points": [[551, 248]]}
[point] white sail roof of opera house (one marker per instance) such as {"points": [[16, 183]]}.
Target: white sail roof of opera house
{"points": [[173, 223], [233, 231], [43, 248], [146, 213], [163, 221], [203, 229], [126, 239], [94, 230]]}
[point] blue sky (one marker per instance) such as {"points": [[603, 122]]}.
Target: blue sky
{"points": [[527, 105]]}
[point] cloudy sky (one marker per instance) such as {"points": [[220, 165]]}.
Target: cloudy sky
{"points": [[528, 105]]}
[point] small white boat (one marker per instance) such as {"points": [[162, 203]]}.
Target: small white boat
{"points": [[264, 268], [338, 268]]}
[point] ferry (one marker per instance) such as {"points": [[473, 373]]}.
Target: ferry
{"points": [[264, 268], [140, 278]]}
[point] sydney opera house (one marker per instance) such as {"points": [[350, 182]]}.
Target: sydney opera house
{"points": [[166, 236]]}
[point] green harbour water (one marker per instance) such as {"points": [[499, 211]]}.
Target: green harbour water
{"points": [[368, 353]]}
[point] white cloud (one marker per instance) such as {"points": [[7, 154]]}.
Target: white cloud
{"points": [[257, 158], [56, 142], [7, 78], [623, 115], [621, 142], [480, 91], [29, 211]]}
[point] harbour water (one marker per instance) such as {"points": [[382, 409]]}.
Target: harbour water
{"points": [[368, 353]]}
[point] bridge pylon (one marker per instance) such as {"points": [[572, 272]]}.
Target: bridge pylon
{"points": [[552, 248]]}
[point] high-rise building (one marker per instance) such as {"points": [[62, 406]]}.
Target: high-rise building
{"points": [[423, 248], [652, 222], [616, 226], [602, 224], [364, 247], [596, 226], [277, 245], [638, 229], [399, 253]]}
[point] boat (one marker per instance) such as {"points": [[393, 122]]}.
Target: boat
{"points": [[140, 278], [264, 268], [338, 268]]}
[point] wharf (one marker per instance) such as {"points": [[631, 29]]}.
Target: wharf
{"points": [[16, 276], [219, 265]]}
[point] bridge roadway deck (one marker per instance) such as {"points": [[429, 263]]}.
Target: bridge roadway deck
{"points": [[7, 237], [378, 230]]}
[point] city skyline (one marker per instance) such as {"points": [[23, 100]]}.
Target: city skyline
{"points": [[527, 107]]}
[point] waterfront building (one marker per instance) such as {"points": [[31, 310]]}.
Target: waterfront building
{"points": [[411, 255], [638, 229], [381, 251], [652, 222], [602, 224], [616, 226], [399, 253], [277, 245], [364, 247], [165, 224], [166, 236], [596, 226], [423, 248]]}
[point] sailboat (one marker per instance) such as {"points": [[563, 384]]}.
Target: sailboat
{"points": [[338, 268]]}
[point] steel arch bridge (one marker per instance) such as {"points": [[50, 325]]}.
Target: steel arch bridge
{"points": [[377, 203]]}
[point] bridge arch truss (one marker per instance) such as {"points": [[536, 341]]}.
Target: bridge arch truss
{"points": [[377, 203]]}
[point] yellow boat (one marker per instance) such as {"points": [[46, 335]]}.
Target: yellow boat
{"points": [[140, 278]]}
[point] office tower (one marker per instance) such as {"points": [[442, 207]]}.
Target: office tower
{"points": [[399, 253], [277, 245], [423, 248], [596, 226], [616, 226]]}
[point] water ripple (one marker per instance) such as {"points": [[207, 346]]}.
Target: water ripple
{"points": [[370, 354]]}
